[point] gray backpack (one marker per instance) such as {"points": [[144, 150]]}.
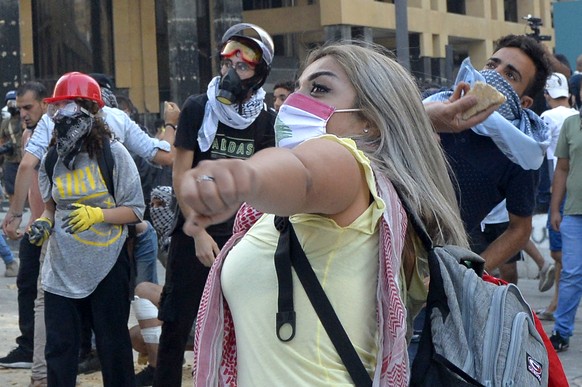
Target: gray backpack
{"points": [[476, 333]]}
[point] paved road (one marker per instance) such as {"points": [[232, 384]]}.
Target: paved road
{"points": [[527, 284]]}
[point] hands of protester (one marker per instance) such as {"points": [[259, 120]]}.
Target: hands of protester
{"points": [[447, 116], [555, 220], [10, 225], [171, 113], [214, 191], [40, 231], [82, 218], [206, 247]]}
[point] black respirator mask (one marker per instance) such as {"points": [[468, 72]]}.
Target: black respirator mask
{"points": [[231, 88], [258, 51]]}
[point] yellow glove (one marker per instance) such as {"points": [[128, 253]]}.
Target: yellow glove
{"points": [[82, 218], [39, 231]]}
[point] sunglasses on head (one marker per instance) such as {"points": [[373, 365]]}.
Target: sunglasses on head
{"points": [[248, 54]]}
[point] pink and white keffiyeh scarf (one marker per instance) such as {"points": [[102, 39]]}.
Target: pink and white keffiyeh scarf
{"points": [[215, 362]]}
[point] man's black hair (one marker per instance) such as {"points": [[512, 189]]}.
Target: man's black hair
{"points": [[536, 52], [124, 103], [103, 80], [564, 60], [287, 85], [574, 86], [37, 88]]}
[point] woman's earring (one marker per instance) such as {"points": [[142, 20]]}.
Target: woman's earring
{"points": [[366, 130]]}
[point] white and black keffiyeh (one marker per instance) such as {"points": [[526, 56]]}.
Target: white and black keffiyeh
{"points": [[529, 122], [215, 111], [70, 133], [519, 133], [108, 97], [162, 217]]}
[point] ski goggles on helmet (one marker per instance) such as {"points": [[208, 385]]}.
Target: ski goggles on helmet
{"points": [[248, 54], [67, 108]]}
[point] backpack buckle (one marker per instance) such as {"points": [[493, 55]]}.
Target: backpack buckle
{"points": [[286, 326], [281, 223]]}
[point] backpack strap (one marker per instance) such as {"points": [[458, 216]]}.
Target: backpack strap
{"points": [[285, 311], [130, 243], [106, 164], [290, 253], [50, 161]]}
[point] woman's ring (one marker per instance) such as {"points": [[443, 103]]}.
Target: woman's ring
{"points": [[202, 178]]}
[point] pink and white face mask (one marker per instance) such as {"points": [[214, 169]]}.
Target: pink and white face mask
{"points": [[302, 117]]}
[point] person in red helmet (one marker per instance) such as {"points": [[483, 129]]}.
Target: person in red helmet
{"points": [[86, 269], [232, 121]]}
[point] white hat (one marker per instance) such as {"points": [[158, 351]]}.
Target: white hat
{"points": [[557, 86]]}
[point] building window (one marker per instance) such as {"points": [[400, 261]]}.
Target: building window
{"points": [[456, 6], [249, 5], [510, 10], [72, 35]]}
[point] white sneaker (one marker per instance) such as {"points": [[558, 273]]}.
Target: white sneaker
{"points": [[547, 276], [11, 269]]}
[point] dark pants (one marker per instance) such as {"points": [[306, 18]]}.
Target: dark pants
{"points": [[543, 195], [86, 337], [108, 308], [29, 255], [183, 287], [10, 170], [491, 232]]}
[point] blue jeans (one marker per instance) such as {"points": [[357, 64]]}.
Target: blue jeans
{"points": [[5, 251], [554, 236], [146, 254], [570, 289]]}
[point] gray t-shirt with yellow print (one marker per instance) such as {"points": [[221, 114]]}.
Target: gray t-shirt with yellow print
{"points": [[76, 263]]}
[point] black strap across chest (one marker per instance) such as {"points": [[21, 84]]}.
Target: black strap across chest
{"points": [[289, 254]]}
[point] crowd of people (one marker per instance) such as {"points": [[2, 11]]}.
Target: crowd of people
{"points": [[344, 149]]}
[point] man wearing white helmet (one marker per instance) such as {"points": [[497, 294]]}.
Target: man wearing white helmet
{"points": [[11, 143], [10, 137], [230, 120]]}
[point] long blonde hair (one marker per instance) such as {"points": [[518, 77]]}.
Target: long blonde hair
{"points": [[401, 143]]}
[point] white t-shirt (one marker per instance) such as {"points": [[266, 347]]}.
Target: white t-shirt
{"points": [[554, 118]]}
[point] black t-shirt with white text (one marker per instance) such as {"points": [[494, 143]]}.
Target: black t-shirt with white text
{"points": [[228, 143]]}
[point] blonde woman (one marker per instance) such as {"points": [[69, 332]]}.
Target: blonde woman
{"points": [[353, 132]]}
